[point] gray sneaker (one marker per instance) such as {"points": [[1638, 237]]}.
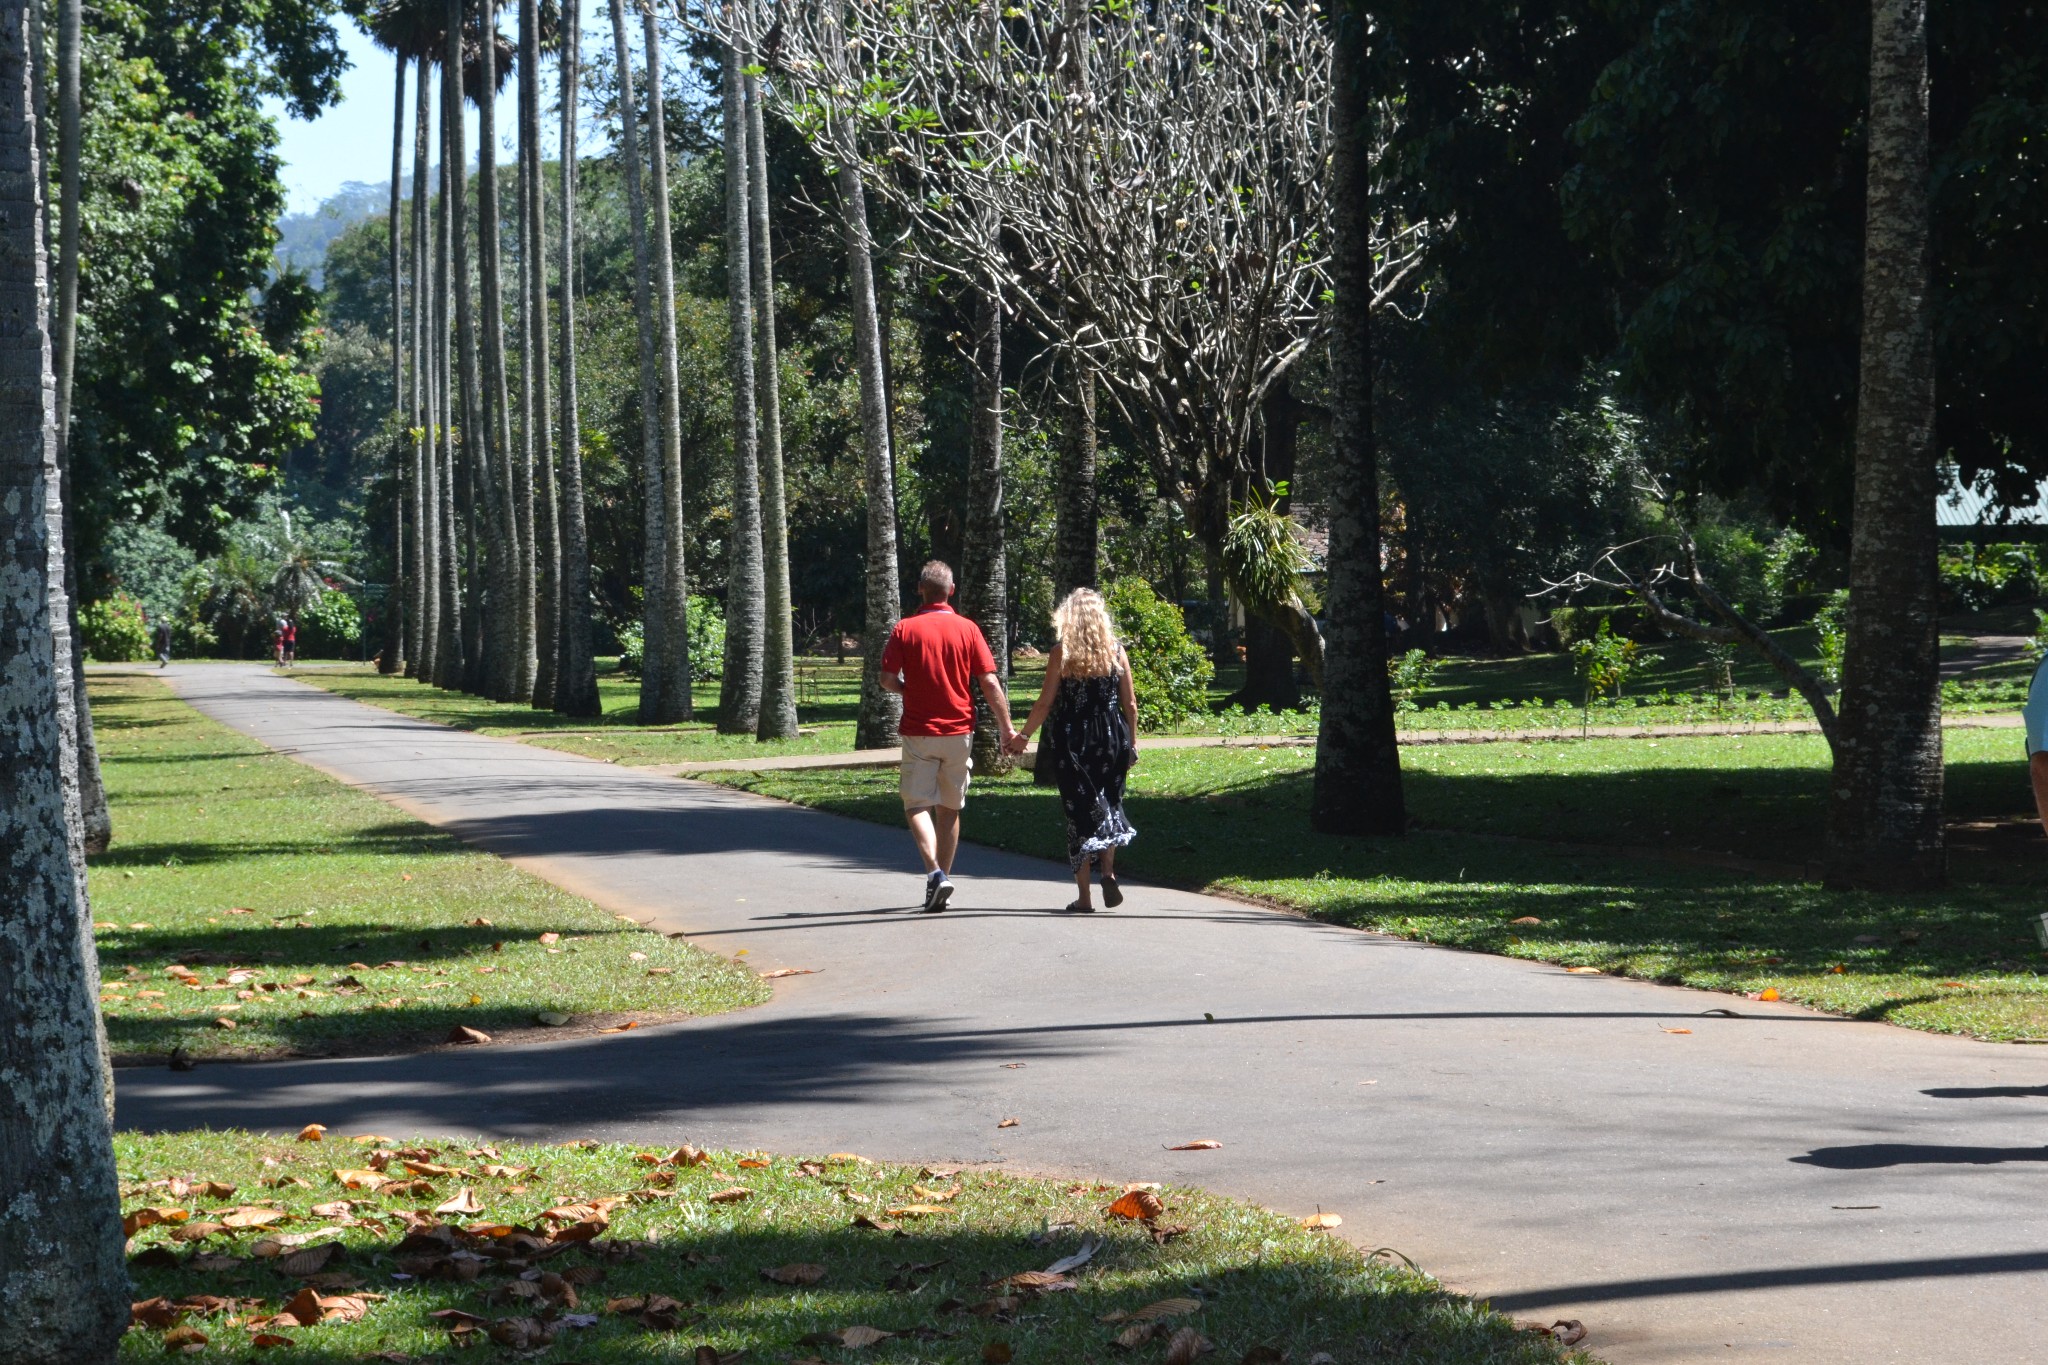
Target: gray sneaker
{"points": [[937, 892]]}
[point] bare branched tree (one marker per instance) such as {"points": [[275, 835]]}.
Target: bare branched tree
{"points": [[1164, 222]]}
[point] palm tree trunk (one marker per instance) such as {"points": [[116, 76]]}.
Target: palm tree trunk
{"points": [[880, 710], [509, 616], [473, 415], [541, 510], [739, 694], [63, 1277], [1884, 826], [392, 658], [654, 615], [450, 666], [1357, 786], [576, 672], [778, 646], [676, 702], [423, 613], [984, 577], [1077, 535]]}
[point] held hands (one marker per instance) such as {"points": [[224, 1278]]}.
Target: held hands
{"points": [[1017, 743]]}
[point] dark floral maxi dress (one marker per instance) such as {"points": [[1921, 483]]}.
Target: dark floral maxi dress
{"points": [[1092, 750]]}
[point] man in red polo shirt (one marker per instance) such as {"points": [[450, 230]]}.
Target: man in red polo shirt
{"points": [[934, 660]]}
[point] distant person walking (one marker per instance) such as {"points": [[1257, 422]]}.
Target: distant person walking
{"points": [[288, 642], [1090, 716], [934, 660], [162, 636], [2036, 717]]}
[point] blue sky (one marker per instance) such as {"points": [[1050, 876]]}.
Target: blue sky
{"points": [[352, 139]]}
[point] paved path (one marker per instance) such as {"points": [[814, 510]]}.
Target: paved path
{"points": [[1532, 1136]]}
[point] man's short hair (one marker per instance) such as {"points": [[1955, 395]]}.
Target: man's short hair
{"points": [[935, 581]]}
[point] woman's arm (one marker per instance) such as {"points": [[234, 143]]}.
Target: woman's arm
{"points": [[1043, 706], [1128, 695]]}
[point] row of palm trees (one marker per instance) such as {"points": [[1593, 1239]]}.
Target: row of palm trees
{"points": [[494, 564]]}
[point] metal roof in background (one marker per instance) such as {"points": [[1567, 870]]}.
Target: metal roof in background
{"points": [[1960, 508]]}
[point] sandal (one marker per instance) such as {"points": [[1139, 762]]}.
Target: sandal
{"points": [[1112, 894], [1076, 908]]}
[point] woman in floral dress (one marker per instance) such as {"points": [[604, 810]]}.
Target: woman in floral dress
{"points": [[1090, 718]]}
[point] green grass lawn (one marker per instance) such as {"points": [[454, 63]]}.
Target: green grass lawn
{"points": [[316, 919], [1526, 831], [596, 1254]]}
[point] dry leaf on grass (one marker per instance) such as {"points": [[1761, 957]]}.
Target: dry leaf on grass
{"points": [[931, 1196], [797, 1272], [916, 1210], [1565, 1331], [463, 1202], [752, 1163], [312, 1132], [463, 1033], [178, 1338], [874, 1224], [1035, 1282], [361, 1180], [252, 1217], [550, 938], [1322, 1222], [1198, 1145], [732, 1195], [858, 1338], [264, 1341], [1131, 1338], [1137, 1205], [1185, 1345], [1154, 1312], [309, 1261], [997, 1353], [136, 1221], [197, 1232]]}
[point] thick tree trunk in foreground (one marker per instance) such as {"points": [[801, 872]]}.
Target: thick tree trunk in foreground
{"points": [[545, 513], [880, 711], [984, 562], [63, 1278], [739, 692], [676, 702], [422, 603], [576, 670], [778, 644], [1884, 813], [1357, 788]]}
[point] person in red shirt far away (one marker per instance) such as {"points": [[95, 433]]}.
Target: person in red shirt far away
{"points": [[934, 660]]}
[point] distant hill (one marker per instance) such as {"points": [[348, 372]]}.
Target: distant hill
{"points": [[302, 238]]}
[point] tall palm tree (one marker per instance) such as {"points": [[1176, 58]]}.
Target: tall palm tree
{"points": [[63, 1275], [424, 607], [98, 818], [656, 686], [676, 696], [576, 671], [739, 692], [778, 646], [880, 709], [541, 511], [450, 665], [509, 550], [1357, 787], [984, 570], [1884, 827]]}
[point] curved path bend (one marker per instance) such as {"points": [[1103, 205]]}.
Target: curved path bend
{"points": [[1774, 1186]]}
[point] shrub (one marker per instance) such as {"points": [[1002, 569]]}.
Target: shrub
{"points": [[113, 630], [1576, 625], [1975, 577], [707, 642], [1831, 628], [1607, 661], [1169, 672], [1408, 675], [331, 627]]}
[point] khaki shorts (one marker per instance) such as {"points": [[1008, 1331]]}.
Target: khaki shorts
{"points": [[934, 770]]}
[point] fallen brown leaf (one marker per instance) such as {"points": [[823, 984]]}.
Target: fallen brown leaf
{"points": [[629, 1024], [136, 1221], [788, 971], [797, 1272], [264, 1341], [1136, 1205], [1322, 1222], [312, 1132], [1565, 1331], [916, 1210], [1009, 1123], [751, 1163], [252, 1217], [463, 1202], [731, 1195], [463, 1033], [1133, 1337], [861, 1220], [1678, 1030], [859, 1338], [1035, 1281], [178, 1338], [1185, 1345], [550, 938], [1198, 1145], [1154, 1312], [997, 1353]]}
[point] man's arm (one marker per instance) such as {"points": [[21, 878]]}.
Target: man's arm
{"points": [[999, 703], [891, 681], [2038, 767]]}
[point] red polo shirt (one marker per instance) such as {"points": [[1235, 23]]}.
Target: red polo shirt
{"points": [[939, 653]]}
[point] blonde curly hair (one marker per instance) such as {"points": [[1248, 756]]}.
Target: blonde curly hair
{"points": [[1088, 644]]}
